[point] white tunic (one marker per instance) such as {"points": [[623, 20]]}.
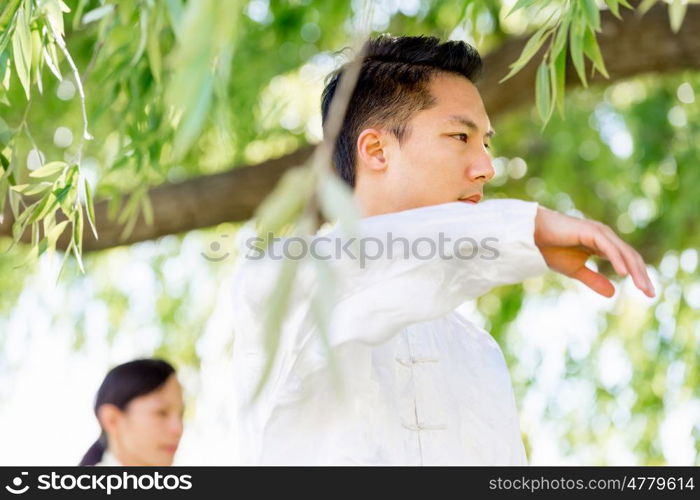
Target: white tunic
{"points": [[411, 380]]}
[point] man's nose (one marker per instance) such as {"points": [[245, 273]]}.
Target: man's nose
{"points": [[480, 166]]}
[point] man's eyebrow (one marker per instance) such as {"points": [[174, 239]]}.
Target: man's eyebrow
{"points": [[469, 123]]}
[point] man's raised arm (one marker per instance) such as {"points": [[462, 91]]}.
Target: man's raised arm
{"points": [[422, 263], [407, 266]]}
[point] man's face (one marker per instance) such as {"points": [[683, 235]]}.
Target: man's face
{"points": [[444, 157]]}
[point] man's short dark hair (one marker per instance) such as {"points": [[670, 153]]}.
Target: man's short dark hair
{"points": [[393, 85]]}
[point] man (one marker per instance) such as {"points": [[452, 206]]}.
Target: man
{"points": [[412, 381]]}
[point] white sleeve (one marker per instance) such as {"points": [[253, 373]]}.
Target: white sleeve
{"points": [[441, 255]]}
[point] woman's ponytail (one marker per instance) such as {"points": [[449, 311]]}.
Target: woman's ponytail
{"points": [[95, 452]]}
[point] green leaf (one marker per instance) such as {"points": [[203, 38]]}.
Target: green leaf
{"points": [[554, 98], [31, 189], [5, 72], [68, 188], [35, 234], [71, 176], [130, 213], [20, 188], [79, 259], [130, 207], [285, 203], [129, 227], [591, 49], [22, 49], [560, 80], [49, 222], [520, 4], [21, 222], [337, 202], [5, 133], [64, 260], [561, 36], [275, 313], [97, 14], [32, 255], [37, 59], [576, 41], [62, 193], [543, 97], [90, 208], [42, 246], [78, 229], [147, 209], [126, 11], [191, 87], [48, 204], [530, 49], [4, 188], [143, 30], [56, 232], [322, 303], [645, 5], [676, 12], [153, 49], [175, 14], [49, 171], [14, 202], [54, 10], [591, 13], [51, 60], [194, 117], [10, 9], [67, 198], [78, 14], [614, 7]]}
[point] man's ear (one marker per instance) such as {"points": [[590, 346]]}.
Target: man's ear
{"points": [[371, 149], [109, 416]]}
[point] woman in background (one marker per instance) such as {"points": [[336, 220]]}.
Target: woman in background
{"points": [[139, 407]]}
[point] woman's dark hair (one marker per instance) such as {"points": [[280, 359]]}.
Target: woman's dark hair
{"points": [[392, 85], [121, 385]]}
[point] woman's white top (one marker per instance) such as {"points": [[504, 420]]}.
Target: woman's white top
{"points": [[109, 460], [411, 381]]}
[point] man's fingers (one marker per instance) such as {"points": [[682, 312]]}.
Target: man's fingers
{"points": [[595, 281], [622, 256], [607, 248], [634, 263], [639, 272]]}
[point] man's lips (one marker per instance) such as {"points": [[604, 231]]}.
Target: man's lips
{"points": [[475, 198]]}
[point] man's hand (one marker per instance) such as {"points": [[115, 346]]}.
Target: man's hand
{"points": [[566, 243]]}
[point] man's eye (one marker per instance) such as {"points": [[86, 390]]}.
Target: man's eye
{"points": [[461, 137], [487, 146]]}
